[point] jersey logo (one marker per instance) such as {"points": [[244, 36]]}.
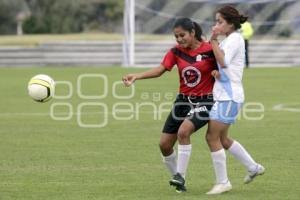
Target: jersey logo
{"points": [[191, 76], [199, 58]]}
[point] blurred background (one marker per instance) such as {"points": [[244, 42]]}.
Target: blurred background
{"points": [[134, 33]]}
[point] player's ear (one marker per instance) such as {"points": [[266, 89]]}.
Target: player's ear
{"points": [[193, 33]]}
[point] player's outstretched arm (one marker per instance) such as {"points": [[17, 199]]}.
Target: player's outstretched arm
{"points": [[129, 79]]}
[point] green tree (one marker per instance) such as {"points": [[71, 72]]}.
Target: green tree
{"points": [[53, 16], [9, 9], [65, 16]]}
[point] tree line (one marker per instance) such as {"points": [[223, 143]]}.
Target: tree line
{"points": [[60, 16]]}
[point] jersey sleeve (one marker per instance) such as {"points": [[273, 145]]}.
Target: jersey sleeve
{"points": [[231, 48], [169, 60]]}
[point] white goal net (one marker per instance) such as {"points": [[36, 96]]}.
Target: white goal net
{"points": [[148, 23]]}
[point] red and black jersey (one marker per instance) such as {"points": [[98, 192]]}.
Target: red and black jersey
{"points": [[194, 68]]}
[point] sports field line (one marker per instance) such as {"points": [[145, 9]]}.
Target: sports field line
{"points": [[279, 107], [293, 107], [64, 113]]}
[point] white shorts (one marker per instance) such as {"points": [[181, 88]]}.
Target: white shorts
{"points": [[225, 111]]}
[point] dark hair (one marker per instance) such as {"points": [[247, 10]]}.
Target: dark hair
{"points": [[232, 16], [188, 25]]}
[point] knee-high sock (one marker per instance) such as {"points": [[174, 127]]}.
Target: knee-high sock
{"points": [[219, 162], [184, 153], [241, 154], [170, 162]]}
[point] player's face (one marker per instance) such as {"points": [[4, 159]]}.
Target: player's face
{"points": [[222, 25], [184, 38]]}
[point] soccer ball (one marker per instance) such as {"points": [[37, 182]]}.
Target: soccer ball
{"points": [[41, 88]]}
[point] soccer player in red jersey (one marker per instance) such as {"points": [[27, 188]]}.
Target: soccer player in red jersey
{"points": [[195, 61]]}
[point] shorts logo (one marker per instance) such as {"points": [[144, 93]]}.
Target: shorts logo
{"points": [[198, 110], [191, 76]]}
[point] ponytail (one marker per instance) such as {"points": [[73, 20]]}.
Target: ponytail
{"points": [[198, 31], [243, 19]]}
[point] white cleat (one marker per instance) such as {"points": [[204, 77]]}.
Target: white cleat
{"points": [[260, 170], [220, 188]]}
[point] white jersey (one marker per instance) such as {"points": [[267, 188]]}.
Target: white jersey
{"points": [[230, 86]]}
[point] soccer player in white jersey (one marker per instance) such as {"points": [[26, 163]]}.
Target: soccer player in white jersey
{"points": [[228, 95]]}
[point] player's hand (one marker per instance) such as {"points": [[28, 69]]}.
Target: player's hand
{"points": [[216, 74], [215, 33], [129, 79]]}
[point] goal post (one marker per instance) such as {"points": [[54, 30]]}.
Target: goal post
{"points": [[129, 32]]}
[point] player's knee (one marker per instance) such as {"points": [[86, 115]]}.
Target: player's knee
{"points": [[211, 138], [226, 142], [183, 134], [208, 137]]}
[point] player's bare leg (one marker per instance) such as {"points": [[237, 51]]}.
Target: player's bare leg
{"points": [[184, 151]]}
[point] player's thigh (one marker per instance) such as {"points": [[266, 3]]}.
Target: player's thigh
{"points": [[216, 129]]}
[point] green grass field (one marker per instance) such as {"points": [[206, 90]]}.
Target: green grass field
{"points": [[43, 158]]}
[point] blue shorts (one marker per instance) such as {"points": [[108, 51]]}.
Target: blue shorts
{"points": [[225, 111]]}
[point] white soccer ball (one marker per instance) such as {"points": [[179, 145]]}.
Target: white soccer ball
{"points": [[41, 88]]}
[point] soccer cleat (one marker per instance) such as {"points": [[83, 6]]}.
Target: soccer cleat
{"points": [[180, 189], [220, 188], [177, 180], [260, 170]]}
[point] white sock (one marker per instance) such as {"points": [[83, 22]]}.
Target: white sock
{"points": [[219, 162], [240, 153], [184, 153], [170, 162]]}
